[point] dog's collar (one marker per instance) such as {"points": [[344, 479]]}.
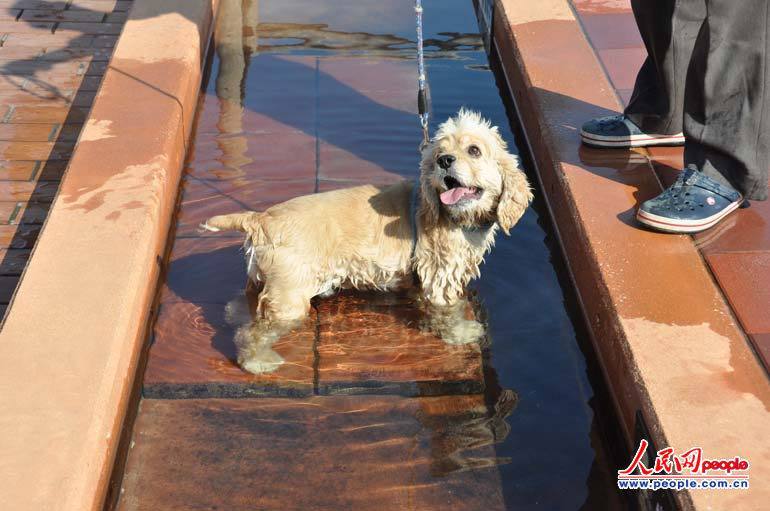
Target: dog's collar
{"points": [[479, 228], [413, 214]]}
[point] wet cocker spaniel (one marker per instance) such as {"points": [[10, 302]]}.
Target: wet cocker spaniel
{"points": [[437, 229]]}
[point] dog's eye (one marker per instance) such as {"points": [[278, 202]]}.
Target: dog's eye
{"points": [[474, 151]]}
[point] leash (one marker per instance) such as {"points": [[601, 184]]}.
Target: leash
{"points": [[422, 100], [422, 112]]}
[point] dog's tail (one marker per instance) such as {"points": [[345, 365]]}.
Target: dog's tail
{"points": [[245, 222]]}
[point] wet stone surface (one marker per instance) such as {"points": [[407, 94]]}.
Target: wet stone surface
{"points": [[357, 453], [193, 355], [354, 343], [369, 343]]}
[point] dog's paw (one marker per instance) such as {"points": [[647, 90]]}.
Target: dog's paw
{"points": [[266, 362], [463, 331]]}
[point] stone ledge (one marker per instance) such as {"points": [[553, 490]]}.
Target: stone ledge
{"points": [[72, 337]]}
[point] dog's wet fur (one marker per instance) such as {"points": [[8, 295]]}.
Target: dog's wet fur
{"points": [[362, 238]]}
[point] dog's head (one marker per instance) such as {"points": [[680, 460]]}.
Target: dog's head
{"points": [[468, 176]]}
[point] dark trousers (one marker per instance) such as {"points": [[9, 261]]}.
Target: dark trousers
{"points": [[707, 75]]}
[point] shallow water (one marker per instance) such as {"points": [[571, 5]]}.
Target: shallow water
{"points": [[306, 96]]}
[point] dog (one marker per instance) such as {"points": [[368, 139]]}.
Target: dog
{"points": [[437, 228]]}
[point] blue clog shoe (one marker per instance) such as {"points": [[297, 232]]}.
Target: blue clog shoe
{"points": [[619, 131], [692, 204]]}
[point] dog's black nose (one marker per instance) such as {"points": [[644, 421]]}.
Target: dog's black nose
{"points": [[445, 161]]}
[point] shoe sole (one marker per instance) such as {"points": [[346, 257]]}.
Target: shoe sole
{"points": [[643, 140], [664, 224]]}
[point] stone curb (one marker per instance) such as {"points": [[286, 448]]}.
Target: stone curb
{"points": [[73, 335]]}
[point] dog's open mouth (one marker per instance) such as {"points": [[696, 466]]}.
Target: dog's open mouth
{"points": [[457, 192]]}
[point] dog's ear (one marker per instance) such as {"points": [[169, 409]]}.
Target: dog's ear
{"points": [[516, 194], [429, 212]]}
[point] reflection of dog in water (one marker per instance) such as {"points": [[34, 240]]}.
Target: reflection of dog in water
{"points": [[461, 438], [378, 237]]}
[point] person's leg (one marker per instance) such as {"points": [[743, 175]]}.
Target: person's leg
{"points": [[727, 151], [726, 119], [669, 29], [654, 113]]}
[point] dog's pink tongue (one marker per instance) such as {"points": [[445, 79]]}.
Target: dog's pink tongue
{"points": [[453, 195]]}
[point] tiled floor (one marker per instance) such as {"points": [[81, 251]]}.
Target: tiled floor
{"points": [[52, 57], [737, 250]]}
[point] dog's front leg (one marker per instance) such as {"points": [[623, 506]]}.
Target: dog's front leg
{"points": [[446, 315], [450, 323], [443, 289]]}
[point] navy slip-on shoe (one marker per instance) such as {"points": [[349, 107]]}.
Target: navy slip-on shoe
{"points": [[619, 131], [692, 204]]}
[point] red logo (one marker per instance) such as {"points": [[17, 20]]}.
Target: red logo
{"points": [[692, 462]]}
